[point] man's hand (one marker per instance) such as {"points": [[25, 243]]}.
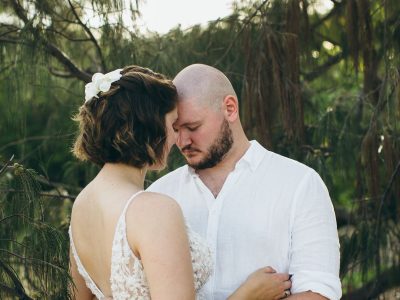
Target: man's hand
{"points": [[263, 284]]}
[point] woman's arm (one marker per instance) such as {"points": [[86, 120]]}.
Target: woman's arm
{"points": [[307, 296], [157, 233], [78, 288]]}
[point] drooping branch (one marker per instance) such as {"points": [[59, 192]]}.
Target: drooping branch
{"points": [[58, 54], [389, 278], [49, 47], [19, 10], [91, 36], [42, 194], [293, 99], [18, 289], [13, 41], [59, 32], [67, 62], [333, 60], [386, 194], [33, 259], [59, 73], [4, 168], [10, 31], [35, 138], [335, 10], [246, 23]]}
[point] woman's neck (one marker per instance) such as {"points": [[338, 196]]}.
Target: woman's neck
{"points": [[124, 173]]}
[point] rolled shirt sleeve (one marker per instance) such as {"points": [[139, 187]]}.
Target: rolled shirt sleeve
{"points": [[314, 254]]}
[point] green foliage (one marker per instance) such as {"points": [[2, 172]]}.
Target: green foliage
{"points": [[343, 63], [33, 253]]}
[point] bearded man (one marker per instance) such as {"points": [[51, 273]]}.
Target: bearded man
{"points": [[263, 214]]}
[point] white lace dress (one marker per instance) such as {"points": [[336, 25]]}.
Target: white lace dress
{"points": [[128, 280]]}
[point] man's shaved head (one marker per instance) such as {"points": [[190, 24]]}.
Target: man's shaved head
{"points": [[204, 84]]}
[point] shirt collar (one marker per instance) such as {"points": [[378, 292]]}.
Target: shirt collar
{"points": [[191, 171], [252, 157]]}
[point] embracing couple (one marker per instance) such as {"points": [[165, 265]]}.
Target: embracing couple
{"points": [[237, 222]]}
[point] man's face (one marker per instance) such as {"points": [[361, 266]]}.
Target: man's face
{"points": [[204, 136]]}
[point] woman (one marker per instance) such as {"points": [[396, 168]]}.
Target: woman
{"points": [[126, 243]]}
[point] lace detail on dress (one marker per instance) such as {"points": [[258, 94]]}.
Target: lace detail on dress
{"points": [[127, 275], [201, 260], [128, 280]]}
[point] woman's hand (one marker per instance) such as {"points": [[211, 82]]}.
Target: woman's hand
{"points": [[264, 284]]}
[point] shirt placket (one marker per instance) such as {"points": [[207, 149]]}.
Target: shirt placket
{"points": [[214, 213], [214, 208]]}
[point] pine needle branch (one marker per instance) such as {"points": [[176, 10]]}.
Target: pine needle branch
{"points": [[59, 73], [91, 36], [43, 194], [69, 38], [49, 47], [19, 289], [64, 59], [33, 259], [333, 60], [4, 168], [13, 41], [246, 23], [388, 279], [34, 138]]}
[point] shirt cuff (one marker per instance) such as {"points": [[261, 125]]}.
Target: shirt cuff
{"points": [[326, 284]]}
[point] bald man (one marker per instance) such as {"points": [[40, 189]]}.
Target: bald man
{"points": [[263, 215]]}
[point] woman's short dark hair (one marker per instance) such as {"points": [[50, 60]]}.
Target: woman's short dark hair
{"points": [[127, 123]]}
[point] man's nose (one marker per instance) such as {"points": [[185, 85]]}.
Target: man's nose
{"points": [[183, 139]]}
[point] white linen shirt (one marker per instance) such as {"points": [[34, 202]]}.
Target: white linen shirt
{"points": [[271, 211]]}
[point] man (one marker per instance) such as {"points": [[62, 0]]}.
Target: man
{"points": [[254, 207]]}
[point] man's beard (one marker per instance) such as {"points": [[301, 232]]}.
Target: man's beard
{"points": [[218, 149]]}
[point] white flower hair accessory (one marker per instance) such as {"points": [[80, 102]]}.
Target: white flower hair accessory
{"points": [[101, 83]]}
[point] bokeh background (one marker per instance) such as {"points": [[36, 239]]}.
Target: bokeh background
{"points": [[317, 85]]}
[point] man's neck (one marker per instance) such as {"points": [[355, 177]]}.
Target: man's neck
{"points": [[214, 178]]}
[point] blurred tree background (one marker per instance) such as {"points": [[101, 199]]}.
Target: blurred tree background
{"points": [[320, 87]]}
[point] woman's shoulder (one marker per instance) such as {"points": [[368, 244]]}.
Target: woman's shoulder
{"points": [[153, 212], [153, 205], [153, 220]]}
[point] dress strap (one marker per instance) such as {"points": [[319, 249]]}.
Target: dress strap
{"points": [[129, 202], [120, 229], [81, 269]]}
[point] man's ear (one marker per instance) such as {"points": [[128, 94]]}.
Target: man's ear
{"points": [[231, 108]]}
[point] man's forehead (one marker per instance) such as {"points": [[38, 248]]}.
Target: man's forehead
{"points": [[188, 114], [190, 106]]}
